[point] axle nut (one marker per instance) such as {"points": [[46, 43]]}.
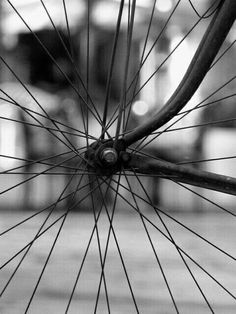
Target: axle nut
{"points": [[109, 156]]}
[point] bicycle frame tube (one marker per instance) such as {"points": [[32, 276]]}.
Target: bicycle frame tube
{"points": [[184, 174], [204, 56]]}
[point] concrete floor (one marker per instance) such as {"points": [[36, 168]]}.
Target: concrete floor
{"points": [[147, 282]]}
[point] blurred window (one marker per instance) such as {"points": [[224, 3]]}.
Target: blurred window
{"points": [[41, 68]]}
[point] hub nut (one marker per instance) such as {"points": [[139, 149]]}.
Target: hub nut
{"points": [[109, 156]]}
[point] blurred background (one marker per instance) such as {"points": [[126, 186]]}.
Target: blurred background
{"points": [[24, 54], [24, 60]]}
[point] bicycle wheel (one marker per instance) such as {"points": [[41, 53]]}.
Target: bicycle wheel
{"points": [[129, 195]]}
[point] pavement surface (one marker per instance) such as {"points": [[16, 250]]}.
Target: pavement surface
{"points": [[150, 291]]}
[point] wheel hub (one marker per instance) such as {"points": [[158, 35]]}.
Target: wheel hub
{"points": [[105, 158]]}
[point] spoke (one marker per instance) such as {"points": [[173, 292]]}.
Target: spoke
{"points": [[34, 176], [52, 247], [52, 173], [40, 211], [96, 116], [196, 72], [135, 93], [111, 121], [157, 209], [207, 104], [88, 66], [206, 160], [222, 54], [184, 114], [38, 232], [126, 72], [174, 49], [179, 252], [143, 60], [205, 16], [85, 255], [31, 162], [189, 162], [184, 174], [216, 205], [129, 46], [27, 245], [71, 148], [111, 229], [42, 127], [70, 58], [152, 246], [143, 175], [33, 97], [99, 248], [205, 271], [136, 78], [111, 68], [13, 102], [193, 260], [51, 225], [68, 30], [103, 261], [70, 53], [141, 145], [84, 111], [200, 125], [177, 246], [92, 110]]}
